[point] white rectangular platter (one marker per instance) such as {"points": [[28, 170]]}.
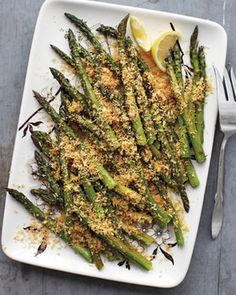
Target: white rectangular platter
{"points": [[50, 29]]}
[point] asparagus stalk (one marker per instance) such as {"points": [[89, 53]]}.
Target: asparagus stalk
{"points": [[50, 223], [196, 69], [89, 90], [84, 53], [200, 105], [170, 182], [94, 41], [175, 164], [194, 54], [182, 127], [68, 201], [130, 100], [108, 31], [197, 58], [190, 124], [192, 176], [42, 141], [91, 195], [47, 196], [69, 89], [155, 151], [183, 138], [63, 55], [46, 173], [87, 124], [137, 234], [177, 228], [140, 94]]}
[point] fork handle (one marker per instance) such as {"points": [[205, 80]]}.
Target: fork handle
{"points": [[217, 215]]}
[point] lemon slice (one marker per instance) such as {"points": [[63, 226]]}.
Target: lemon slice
{"points": [[162, 46], [139, 33]]}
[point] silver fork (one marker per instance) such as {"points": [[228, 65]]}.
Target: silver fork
{"points": [[227, 113]]}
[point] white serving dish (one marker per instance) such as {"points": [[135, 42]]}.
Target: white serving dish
{"points": [[50, 29]]}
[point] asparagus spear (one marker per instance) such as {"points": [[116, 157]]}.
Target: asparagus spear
{"points": [[130, 100], [177, 228], [46, 173], [84, 53], [183, 138], [68, 88], [42, 141], [94, 41], [68, 202], [192, 176], [91, 196], [190, 124], [175, 164], [89, 90], [140, 94], [194, 54], [137, 234], [200, 105], [47, 196], [63, 55], [51, 223], [108, 31], [182, 127], [196, 69], [87, 124], [155, 151]]}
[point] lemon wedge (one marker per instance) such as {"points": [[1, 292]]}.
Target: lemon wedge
{"points": [[162, 46], [139, 33]]}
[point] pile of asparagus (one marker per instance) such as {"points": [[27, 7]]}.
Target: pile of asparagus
{"points": [[118, 147]]}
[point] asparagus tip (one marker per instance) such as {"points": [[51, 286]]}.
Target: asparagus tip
{"points": [[15, 194], [194, 37], [36, 94], [67, 14], [53, 71], [70, 32]]}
